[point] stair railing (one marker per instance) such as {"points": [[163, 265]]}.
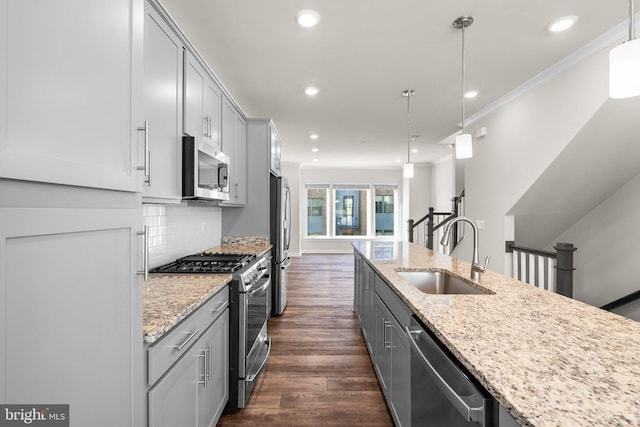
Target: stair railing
{"points": [[430, 227], [552, 271]]}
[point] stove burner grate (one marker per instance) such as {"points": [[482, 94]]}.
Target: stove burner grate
{"points": [[206, 263]]}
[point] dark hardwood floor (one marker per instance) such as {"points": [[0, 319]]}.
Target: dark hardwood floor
{"points": [[319, 372]]}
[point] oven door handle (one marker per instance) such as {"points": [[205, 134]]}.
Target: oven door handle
{"points": [[252, 377], [261, 288]]}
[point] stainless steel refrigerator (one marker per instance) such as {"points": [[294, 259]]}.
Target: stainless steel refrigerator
{"points": [[280, 218]]}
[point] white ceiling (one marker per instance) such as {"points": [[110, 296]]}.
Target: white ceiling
{"points": [[364, 53]]}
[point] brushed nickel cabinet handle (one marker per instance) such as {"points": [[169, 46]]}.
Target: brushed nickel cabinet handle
{"points": [[146, 167], [189, 338], [145, 253]]}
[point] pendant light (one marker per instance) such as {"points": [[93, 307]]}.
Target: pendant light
{"points": [[408, 167], [464, 142], [624, 64]]}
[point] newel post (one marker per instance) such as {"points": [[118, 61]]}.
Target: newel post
{"points": [[564, 268], [430, 229], [411, 230]]}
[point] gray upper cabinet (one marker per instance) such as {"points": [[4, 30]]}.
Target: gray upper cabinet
{"points": [[70, 76], [276, 152], [202, 103], [234, 144], [163, 83]]}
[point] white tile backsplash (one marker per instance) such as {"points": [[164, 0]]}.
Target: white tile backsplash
{"points": [[179, 230]]}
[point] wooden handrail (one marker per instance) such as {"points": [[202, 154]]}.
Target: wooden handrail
{"points": [[622, 301], [511, 246]]}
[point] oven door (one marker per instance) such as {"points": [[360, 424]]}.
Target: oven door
{"points": [[256, 343], [258, 297]]}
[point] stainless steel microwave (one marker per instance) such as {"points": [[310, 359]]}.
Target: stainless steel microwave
{"points": [[205, 171]]}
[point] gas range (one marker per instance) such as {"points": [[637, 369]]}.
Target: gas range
{"points": [[249, 310], [206, 263]]}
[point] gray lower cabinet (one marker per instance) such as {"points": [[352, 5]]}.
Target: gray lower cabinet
{"points": [[382, 317], [213, 391], [194, 391], [393, 363], [71, 302]]}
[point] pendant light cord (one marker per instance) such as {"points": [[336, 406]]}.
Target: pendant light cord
{"points": [[463, 77], [408, 124], [408, 93], [632, 20]]}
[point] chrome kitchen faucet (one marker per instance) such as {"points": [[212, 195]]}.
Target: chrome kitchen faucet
{"points": [[476, 268]]}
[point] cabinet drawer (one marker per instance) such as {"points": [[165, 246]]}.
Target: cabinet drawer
{"points": [[168, 349], [397, 307]]}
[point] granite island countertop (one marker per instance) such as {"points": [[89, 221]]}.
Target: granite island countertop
{"points": [[169, 298], [547, 359]]}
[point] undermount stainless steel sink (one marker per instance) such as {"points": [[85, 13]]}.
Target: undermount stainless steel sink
{"points": [[439, 282]]}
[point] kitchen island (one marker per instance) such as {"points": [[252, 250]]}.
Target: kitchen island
{"points": [[547, 359]]}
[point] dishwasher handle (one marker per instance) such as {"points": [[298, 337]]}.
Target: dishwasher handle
{"points": [[475, 414]]}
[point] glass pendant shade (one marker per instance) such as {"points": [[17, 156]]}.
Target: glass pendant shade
{"points": [[624, 70], [464, 146], [407, 171]]}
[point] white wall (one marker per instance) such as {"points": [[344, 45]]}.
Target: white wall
{"points": [[524, 137], [442, 184], [342, 176], [607, 241]]}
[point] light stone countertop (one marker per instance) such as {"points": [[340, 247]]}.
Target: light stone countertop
{"points": [[169, 298], [547, 359]]}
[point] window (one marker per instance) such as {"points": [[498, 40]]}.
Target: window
{"points": [[351, 210], [343, 210], [385, 206], [317, 210]]}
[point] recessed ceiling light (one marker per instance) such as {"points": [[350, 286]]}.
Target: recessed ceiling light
{"points": [[315, 149], [414, 150], [315, 160], [398, 160], [314, 136], [562, 24], [471, 94], [307, 18], [311, 91]]}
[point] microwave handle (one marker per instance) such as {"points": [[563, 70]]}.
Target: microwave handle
{"points": [[223, 176]]}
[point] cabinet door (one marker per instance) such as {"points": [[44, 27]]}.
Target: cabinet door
{"points": [[72, 312], [400, 375], [357, 286], [172, 401], [163, 66], [194, 83], [70, 74], [212, 105], [382, 345], [234, 144], [239, 183], [276, 151], [213, 393], [228, 128]]}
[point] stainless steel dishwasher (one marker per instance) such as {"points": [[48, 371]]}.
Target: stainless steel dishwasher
{"points": [[442, 393]]}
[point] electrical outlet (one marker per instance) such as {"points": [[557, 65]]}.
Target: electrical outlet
{"points": [[204, 227], [480, 224]]}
